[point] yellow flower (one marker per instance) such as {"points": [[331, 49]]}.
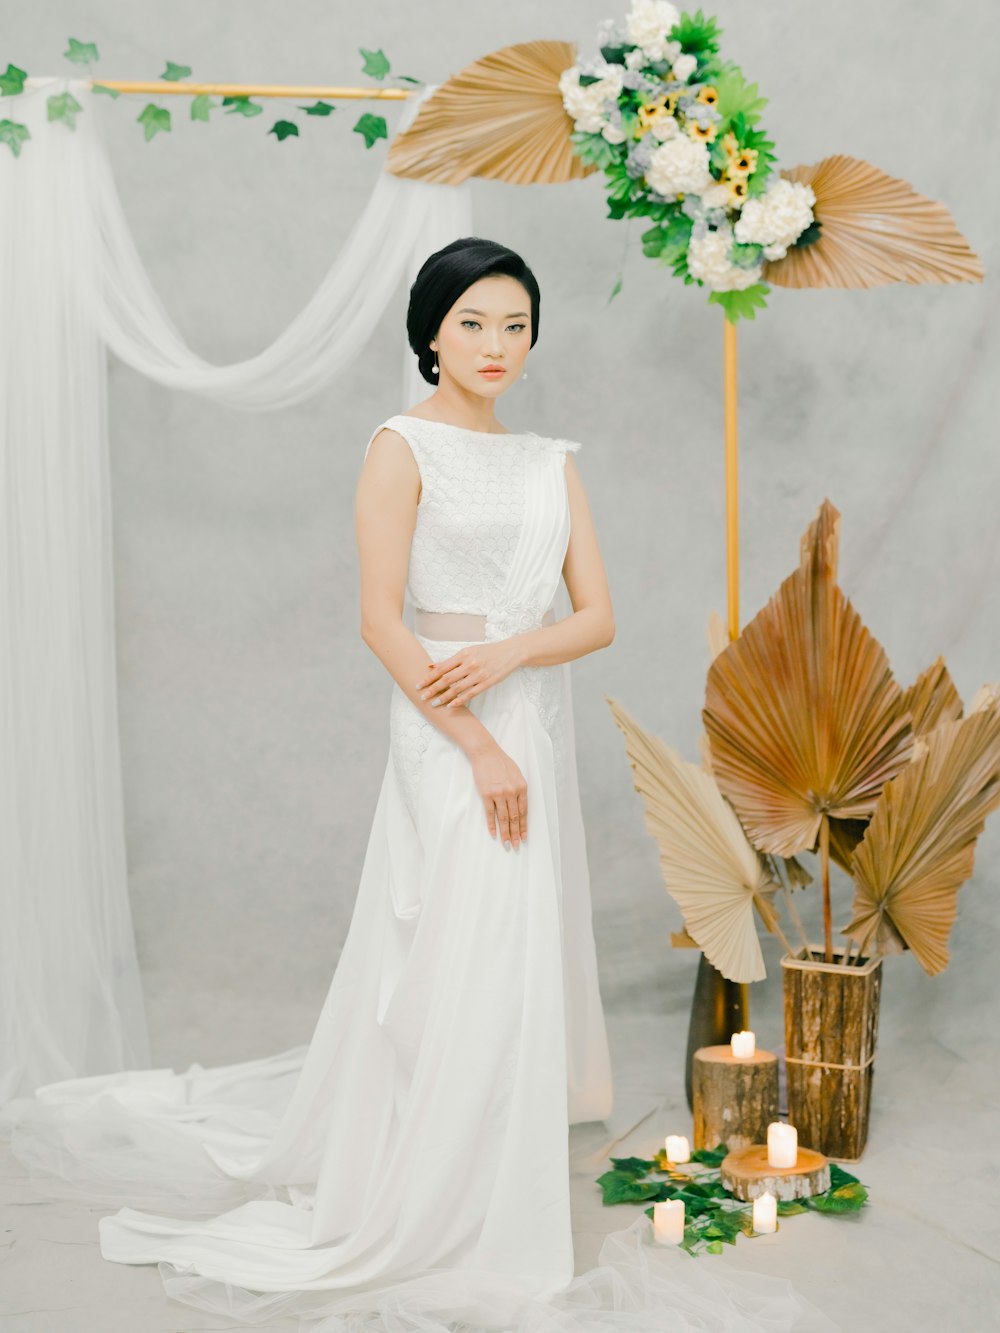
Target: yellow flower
{"points": [[743, 162], [737, 187], [651, 115], [730, 144], [703, 133], [708, 95]]}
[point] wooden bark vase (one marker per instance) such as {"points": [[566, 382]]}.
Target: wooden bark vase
{"points": [[831, 1031]]}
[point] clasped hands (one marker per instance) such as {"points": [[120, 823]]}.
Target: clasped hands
{"points": [[468, 672]]}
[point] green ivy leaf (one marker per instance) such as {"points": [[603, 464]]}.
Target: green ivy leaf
{"points": [[838, 1177], [12, 82], [201, 105], [174, 73], [709, 1156], [376, 65], [847, 1199], [789, 1207], [81, 53], [284, 129], [154, 120], [103, 88], [620, 1187], [615, 290], [736, 95], [13, 135], [64, 106], [372, 127], [241, 105], [634, 1166], [318, 109]]}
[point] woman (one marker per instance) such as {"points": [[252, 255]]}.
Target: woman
{"points": [[411, 1163]]}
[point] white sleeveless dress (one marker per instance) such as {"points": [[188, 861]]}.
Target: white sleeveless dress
{"points": [[411, 1163]]}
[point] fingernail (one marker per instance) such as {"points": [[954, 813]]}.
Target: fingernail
{"points": [[435, 702], [507, 844]]}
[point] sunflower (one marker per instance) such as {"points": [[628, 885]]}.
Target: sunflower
{"points": [[703, 133], [708, 95], [743, 162]]}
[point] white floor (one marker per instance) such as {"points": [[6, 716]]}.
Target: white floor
{"points": [[925, 1254]]}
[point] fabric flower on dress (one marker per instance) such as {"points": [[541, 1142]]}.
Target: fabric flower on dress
{"points": [[507, 618]]}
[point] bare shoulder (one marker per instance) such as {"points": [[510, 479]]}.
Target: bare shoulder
{"points": [[389, 461]]}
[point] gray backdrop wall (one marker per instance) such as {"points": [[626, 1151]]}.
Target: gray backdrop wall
{"points": [[254, 720]]}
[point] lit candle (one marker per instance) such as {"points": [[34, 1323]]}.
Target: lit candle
{"points": [[765, 1213], [782, 1144], [743, 1045], [668, 1221], [678, 1148]]}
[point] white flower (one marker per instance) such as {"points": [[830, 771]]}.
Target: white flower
{"points": [[684, 67], [708, 259], [586, 103], [776, 218], [648, 25], [613, 133], [716, 196], [664, 127], [679, 164], [635, 59]]}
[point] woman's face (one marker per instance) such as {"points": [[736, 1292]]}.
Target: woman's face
{"points": [[488, 326]]}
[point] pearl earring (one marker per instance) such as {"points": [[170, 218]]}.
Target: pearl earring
{"points": [[525, 375], [434, 368]]}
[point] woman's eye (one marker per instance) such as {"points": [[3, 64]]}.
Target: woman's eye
{"points": [[476, 322]]}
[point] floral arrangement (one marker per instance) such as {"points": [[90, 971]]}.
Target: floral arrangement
{"points": [[676, 132]]}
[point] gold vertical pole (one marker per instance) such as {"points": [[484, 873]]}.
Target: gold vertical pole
{"points": [[732, 511], [732, 493]]}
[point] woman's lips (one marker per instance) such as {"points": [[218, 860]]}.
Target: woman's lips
{"points": [[494, 373]]}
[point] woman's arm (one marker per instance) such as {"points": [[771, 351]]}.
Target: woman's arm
{"points": [[592, 624], [385, 512]]}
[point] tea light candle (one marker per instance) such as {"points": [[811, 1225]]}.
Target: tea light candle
{"points": [[782, 1144], [765, 1213], [678, 1148], [743, 1045], [668, 1221]]}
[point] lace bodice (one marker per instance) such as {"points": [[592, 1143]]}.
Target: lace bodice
{"points": [[472, 489]]}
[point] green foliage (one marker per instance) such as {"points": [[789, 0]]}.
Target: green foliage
{"points": [[103, 88], [736, 96], [12, 81], [284, 129], [594, 149], [201, 105], [174, 73], [697, 34], [154, 120], [241, 105], [371, 127], [13, 135], [376, 65], [741, 304], [64, 106], [319, 109], [713, 1217], [81, 53]]}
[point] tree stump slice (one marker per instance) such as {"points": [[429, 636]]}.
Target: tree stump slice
{"points": [[746, 1174], [734, 1100]]}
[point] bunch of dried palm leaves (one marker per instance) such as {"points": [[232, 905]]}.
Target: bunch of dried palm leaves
{"points": [[811, 745]]}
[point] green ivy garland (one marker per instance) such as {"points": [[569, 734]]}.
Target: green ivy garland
{"points": [[156, 119], [713, 1216]]}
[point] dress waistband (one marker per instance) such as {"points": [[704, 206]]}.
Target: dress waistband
{"points": [[458, 626]]}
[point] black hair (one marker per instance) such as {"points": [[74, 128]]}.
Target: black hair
{"points": [[442, 279]]}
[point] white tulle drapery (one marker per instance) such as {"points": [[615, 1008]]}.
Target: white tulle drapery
{"points": [[72, 285]]}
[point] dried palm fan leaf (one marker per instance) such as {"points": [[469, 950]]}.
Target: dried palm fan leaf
{"points": [[802, 711], [932, 698], [502, 118], [845, 834], [987, 696], [874, 229], [710, 869], [920, 845]]}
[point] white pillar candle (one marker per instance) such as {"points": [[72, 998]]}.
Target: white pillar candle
{"points": [[765, 1212], [743, 1045], [678, 1148], [782, 1144], [668, 1221]]}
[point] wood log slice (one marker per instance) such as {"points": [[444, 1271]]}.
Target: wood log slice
{"points": [[746, 1174]]}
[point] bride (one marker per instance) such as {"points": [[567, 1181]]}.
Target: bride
{"points": [[408, 1168]]}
